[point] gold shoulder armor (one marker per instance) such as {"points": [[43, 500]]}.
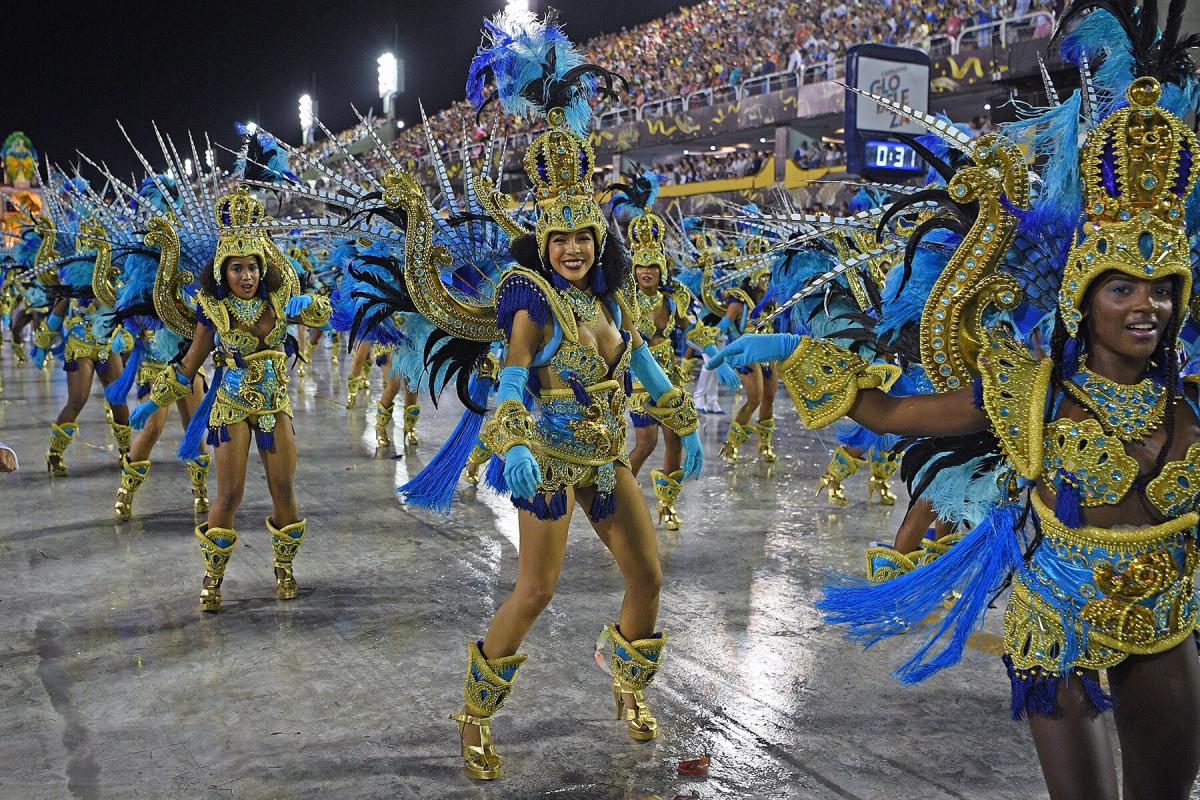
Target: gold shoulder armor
{"points": [[562, 312], [215, 310], [1015, 385], [824, 380]]}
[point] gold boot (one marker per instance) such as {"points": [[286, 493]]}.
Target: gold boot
{"points": [[356, 385], [479, 456], [60, 439], [634, 665], [285, 542], [488, 684], [882, 467], [216, 545], [383, 424], [133, 475], [335, 343], [411, 414], [19, 352], [198, 473], [124, 435], [841, 466], [736, 438], [666, 490], [766, 432]]}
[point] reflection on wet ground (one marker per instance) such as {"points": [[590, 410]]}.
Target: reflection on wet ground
{"points": [[115, 686]]}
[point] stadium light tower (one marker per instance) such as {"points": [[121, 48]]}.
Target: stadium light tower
{"points": [[389, 83], [308, 113]]}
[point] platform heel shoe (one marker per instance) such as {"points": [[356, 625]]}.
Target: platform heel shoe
{"points": [[356, 385], [634, 665], [198, 474], [766, 432], [411, 415], [666, 490], [133, 475], [840, 467], [216, 545], [60, 440], [383, 424], [882, 466], [285, 543], [488, 684], [737, 436]]}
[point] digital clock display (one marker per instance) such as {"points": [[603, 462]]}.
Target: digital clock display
{"points": [[890, 155]]}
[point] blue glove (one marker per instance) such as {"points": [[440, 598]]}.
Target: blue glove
{"points": [[39, 357], [117, 344], [728, 378], [756, 348], [521, 472], [54, 323], [693, 455], [142, 414], [295, 307]]}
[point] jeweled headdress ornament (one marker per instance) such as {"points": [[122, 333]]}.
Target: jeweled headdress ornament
{"points": [[1137, 165], [647, 230], [238, 217], [539, 74]]}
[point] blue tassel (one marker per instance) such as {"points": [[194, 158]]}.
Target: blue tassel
{"points": [[553, 509], [495, 475], [1066, 503], [1037, 692], [433, 487], [581, 395], [977, 393], [117, 391], [520, 294], [1070, 358], [189, 448], [975, 567], [642, 420], [604, 504], [265, 440], [598, 284]]}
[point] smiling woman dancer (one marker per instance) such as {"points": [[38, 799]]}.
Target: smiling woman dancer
{"points": [[1095, 450], [245, 302]]}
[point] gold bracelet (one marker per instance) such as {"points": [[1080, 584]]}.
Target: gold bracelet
{"points": [[675, 410], [511, 425], [167, 389], [317, 313], [703, 335], [824, 380]]}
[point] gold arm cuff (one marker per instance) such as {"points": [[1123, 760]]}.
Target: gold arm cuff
{"points": [[167, 389], [44, 338], [317, 313], [703, 335], [511, 425], [676, 411], [824, 380]]}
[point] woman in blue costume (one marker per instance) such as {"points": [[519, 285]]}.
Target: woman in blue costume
{"points": [[663, 308], [79, 325], [249, 292], [1091, 452]]}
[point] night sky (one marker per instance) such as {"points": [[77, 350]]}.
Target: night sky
{"points": [[71, 69]]}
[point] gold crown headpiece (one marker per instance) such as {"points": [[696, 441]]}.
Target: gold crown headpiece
{"points": [[646, 234], [560, 163], [239, 216], [1137, 167]]}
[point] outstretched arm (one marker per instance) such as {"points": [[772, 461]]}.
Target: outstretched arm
{"points": [[949, 414]]}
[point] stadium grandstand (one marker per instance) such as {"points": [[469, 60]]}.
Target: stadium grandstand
{"points": [[741, 96]]}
